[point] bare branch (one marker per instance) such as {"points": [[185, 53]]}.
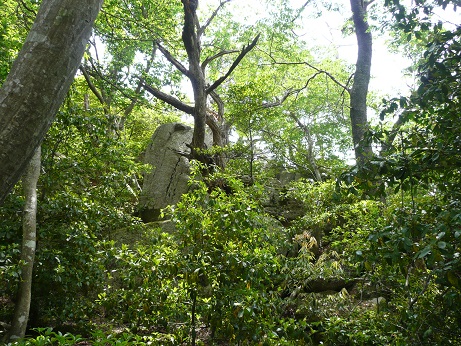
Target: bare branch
{"points": [[92, 86], [310, 148], [424, 289], [172, 60], [108, 81], [301, 9], [320, 71], [345, 87], [171, 100], [220, 54], [202, 29], [278, 102], [242, 54], [289, 92], [28, 8]]}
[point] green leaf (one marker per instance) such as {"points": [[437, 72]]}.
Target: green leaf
{"points": [[424, 252]]}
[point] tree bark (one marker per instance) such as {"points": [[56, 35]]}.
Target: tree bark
{"points": [[39, 80], [196, 75], [359, 91], [29, 240], [219, 127]]}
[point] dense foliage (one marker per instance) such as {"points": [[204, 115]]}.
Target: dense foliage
{"points": [[290, 244]]}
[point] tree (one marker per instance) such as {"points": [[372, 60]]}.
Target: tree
{"points": [[14, 26], [420, 160], [359, 90], [39, 80], [191, 37], [290, 101], [29, 241], [129, 32]]}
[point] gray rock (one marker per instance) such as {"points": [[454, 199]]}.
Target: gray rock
{"points": [[168, 180], [286, 177]]}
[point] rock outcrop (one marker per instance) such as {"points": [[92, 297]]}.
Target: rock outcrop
{"points": [[168, 180]]}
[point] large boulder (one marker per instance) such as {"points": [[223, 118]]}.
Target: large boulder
{"points": [[168, 180]]}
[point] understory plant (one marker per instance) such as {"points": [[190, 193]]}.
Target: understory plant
{"points": [[217, 276]]}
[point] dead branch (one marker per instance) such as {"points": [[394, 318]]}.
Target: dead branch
{"points": [[171, 100], [218, 55], [181, 68], [242, 54], [202, 29], [92, 86]]}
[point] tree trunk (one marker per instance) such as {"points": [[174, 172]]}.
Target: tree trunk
{"points": [[359, 91], [39, 80], [191, 41], [220, 129], [29, 240]]}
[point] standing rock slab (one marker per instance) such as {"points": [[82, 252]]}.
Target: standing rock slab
{"points": [[168, 180]]}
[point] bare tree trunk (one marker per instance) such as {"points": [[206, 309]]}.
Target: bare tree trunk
{"points": [[29, 240], [359, 91], [191, 40], [39, 80], [219, 127]]}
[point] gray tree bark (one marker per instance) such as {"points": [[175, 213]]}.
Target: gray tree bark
{"points": [[29, 240], [39, 80], [191, 40], [359, 91]]}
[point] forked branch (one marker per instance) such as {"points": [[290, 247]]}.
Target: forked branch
{"points": [[218, 55], [202, 29], [242, 54], [319, 71]]}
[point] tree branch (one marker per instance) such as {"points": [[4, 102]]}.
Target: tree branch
{"points": [[320, 71], [218, 55], [92, 86], [387, 144], [242, 54], [172, 60], [137, 91], [109, 81], [202, 29], [288, 93], [367, 3], [171, 100], [344, 86], [28, 8], [278, 102], [300, 10]]}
